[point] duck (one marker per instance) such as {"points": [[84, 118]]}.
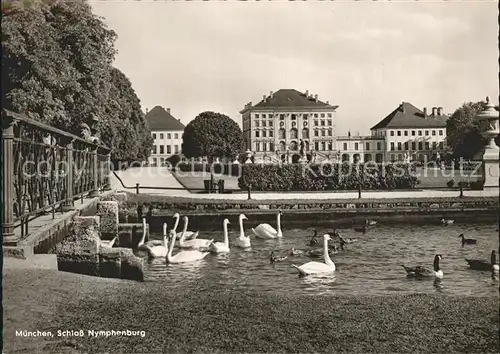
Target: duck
{"points": [[295, 252], [369, 222], [221, 247], [423, 272], [316, 253], [190, 235], [266, 231], [311, 268], [484, 265], [242, 241], [157, 251], [143, 245], [183, 256], [197, 243], [274, 258], [314, 241], [345, 240], [108, 244], [447, 221], [467, 241]]}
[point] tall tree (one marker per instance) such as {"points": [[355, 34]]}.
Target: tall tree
{"points": [[212, 135], [56, 68], [463, 131]]}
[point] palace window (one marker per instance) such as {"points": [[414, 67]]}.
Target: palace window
{"points": [[329, 115], [426, 132], [169, 149], [270, 123], [322, 115], [282, 116], [316, 123], [356, 146], [155, 149], [256, 116], [399, 132], [271, 146], [305, 133], [176, 149], [406, 132], [413, 133], [264, 134], [433, 132], [161, 136], [316, 132], [162, 149], [399, 146], [413, 145], [330, 132], [293, 133], [322, 123], [263, 116], [294, 116], [316, 145], [323, 132], [392, 146], [379, 146], [419, 133], [282, 133], [271, 134], [441, 145], [257, 134], [427, 145], [315, 115], [264, 123], [367, 146], [406, 146], [329, 123], [392, 132], [257, 123], [440, 132], [420, 145], [330, 146], [323, 146], [176, 136], [304, 116], [154, 136]]}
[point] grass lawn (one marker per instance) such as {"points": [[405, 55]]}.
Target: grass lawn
{"points": [[223, 322]]}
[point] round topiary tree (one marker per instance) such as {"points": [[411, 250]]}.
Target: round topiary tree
{"points": [[212, 135]]}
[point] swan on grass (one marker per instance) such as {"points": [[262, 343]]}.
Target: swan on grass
{"points": [[266, 231], [156, 251], [423, 272], [183, 256], [221, 247], [242, 241], [142, 245], [311, 268], [484, 265], [196, 243], [190, 235]]}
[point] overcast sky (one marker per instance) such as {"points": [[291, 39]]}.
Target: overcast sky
{"points": [[365, 57]]}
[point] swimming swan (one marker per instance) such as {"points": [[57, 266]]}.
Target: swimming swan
{"points": [[318, 267], [242, 241], [196, 243], [266, 231], [158, 251], [183, 256], [221, 247], [190, 235], [142, 245], [423, 272]]}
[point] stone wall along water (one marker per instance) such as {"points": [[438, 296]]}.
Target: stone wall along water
{"points": [[108, 212]]}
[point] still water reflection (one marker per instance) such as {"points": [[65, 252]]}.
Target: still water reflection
{"points": [[370, 266]]}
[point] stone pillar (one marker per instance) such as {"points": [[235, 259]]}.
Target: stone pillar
{"points": [[95, 173], [108, 213], [107, 173], [491, 173], [68, 168], [9, 238]]}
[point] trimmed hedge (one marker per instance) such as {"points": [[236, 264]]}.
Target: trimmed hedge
{"points": [[228, 169], [321, 177]]}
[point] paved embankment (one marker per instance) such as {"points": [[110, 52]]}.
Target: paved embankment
{"points": [[220, 322]]}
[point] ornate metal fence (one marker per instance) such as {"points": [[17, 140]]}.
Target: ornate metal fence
{"points": [[45, 169]]}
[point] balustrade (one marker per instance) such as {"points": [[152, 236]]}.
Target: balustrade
{"points": [[44, 169]]}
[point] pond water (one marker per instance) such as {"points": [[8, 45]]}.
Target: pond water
{"points": [[370, 266]]}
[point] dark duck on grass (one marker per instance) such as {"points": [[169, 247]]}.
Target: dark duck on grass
{"points": [[423, 272], [467, 241], [484, 265]]}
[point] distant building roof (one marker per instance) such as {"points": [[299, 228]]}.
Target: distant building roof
{"points": [[409, 116], [289, 99], [160, 119]]}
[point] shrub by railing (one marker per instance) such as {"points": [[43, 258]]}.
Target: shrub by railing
{"points": [[45, 168], [320, 177]]}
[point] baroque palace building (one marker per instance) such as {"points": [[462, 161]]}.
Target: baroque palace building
{"points": [[275, 129]]}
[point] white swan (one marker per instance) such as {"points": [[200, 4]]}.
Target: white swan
{"points": [[318, 267], [183, 256], [267, 231], [108, 244], [157, 251], [143, 245], [242, 241], [194, 244], [190, 235], [221, 247]]}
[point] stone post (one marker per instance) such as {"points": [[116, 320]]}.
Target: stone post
{"points": [[9, 238], [107, 172], [68, 203], [108, 213], [491, 158], [95, 173]]}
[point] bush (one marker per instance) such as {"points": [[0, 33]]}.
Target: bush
{"points": [[320, 177], [174, 160], [450, 183]]}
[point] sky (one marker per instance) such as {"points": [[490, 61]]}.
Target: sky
{"points": [[365, 57]]}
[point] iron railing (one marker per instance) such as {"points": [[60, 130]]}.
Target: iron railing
{"points": [[45, 169]]}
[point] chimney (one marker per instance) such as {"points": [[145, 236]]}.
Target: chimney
{"points": [[349, 133], [316, 98], [168, 110], [402, 107], [440, 111], [425, 112], [147, 110], [271, 94], [307, 93], [264, 97], [250, 104], [327, 102], [434, 111], [179, 119]]}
